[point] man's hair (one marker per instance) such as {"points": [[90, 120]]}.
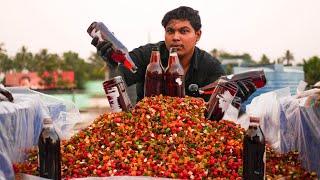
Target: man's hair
{"points": [[183, 13]]}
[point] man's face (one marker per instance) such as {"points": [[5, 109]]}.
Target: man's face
{"points": [[180, 34]]}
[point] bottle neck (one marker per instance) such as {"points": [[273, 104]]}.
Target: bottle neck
{"points": [[155, 57], [173, 59], [254, 121], [50, 125]]}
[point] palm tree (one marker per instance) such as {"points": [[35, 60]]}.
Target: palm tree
{"points": [[22, 59], [288, 57], [6, 63], [264, 60]]}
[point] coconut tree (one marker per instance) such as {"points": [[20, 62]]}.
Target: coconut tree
{"points": [[22, 59], [264, 60], [288, 57]]}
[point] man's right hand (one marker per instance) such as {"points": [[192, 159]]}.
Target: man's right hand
{"points": [[104, 49]]}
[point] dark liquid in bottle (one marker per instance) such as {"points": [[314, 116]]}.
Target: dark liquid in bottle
{"points": [[257, 77], [117, 95], [253, 154], [153, 84], [49, 154], [154, 78], [174, 76], [219, 100], [175, 85]]}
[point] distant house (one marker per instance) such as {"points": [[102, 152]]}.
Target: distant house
{"points": [[48, 80]]}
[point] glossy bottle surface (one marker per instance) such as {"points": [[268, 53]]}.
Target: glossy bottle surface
{"points": [[116, 91], [154, 78], [49, 153], [257, 77], [120, 52], [254, 152], [222, 96], [174, 76]]}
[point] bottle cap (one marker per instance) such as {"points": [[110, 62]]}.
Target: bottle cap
{"points": [[155, 48], [254, 119], [47, 121], [173, 49]]}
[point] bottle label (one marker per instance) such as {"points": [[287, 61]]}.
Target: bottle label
{"points": [[231, 113], [113, 96], [225, 100], [96, 34], [179, 81], [230, 76]]}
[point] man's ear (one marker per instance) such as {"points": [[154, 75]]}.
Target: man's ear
{"points": [[198, 34]]}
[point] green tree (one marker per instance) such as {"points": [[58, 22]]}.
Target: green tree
{"points": [[6, 63], [45, 61], [311, 69], [288, 57], [245, 57], [215, 53], [22, 59], [72, 62], [264, 60], [45, 64], [97, 66]]}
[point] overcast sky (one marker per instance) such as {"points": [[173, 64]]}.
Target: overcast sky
{"points": [[237, 26]]}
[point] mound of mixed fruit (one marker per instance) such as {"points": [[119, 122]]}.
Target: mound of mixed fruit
{"points": [[162, 137]]}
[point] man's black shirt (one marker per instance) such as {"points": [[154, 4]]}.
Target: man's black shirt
{"points": [[203, 70]]}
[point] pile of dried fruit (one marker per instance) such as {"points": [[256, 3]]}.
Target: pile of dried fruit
{"points": [[160, 137]]}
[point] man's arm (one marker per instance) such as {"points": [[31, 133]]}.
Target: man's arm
{"points": [[215, 72]]}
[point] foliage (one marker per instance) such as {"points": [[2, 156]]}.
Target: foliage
{"points": [[264, 60], [225, 55], [45, 63], [311, 69], [288, 57], [97, 66]]}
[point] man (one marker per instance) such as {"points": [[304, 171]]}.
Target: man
{"points": [[182, 30]]}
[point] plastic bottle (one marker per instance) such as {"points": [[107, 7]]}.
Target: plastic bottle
{"points": [[254, 153], [174, 76], [120, 53], [222, 96], [49, 151], [250, 78], [116, 91], [154, 78]]}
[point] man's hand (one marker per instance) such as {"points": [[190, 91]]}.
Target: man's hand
{"points": [[104, 49], [7, 94]]}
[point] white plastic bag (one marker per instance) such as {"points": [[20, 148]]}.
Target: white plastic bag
{"points": [[267, 108]]}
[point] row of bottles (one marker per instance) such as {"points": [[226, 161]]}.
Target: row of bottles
{"points": [[168, 82]]}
